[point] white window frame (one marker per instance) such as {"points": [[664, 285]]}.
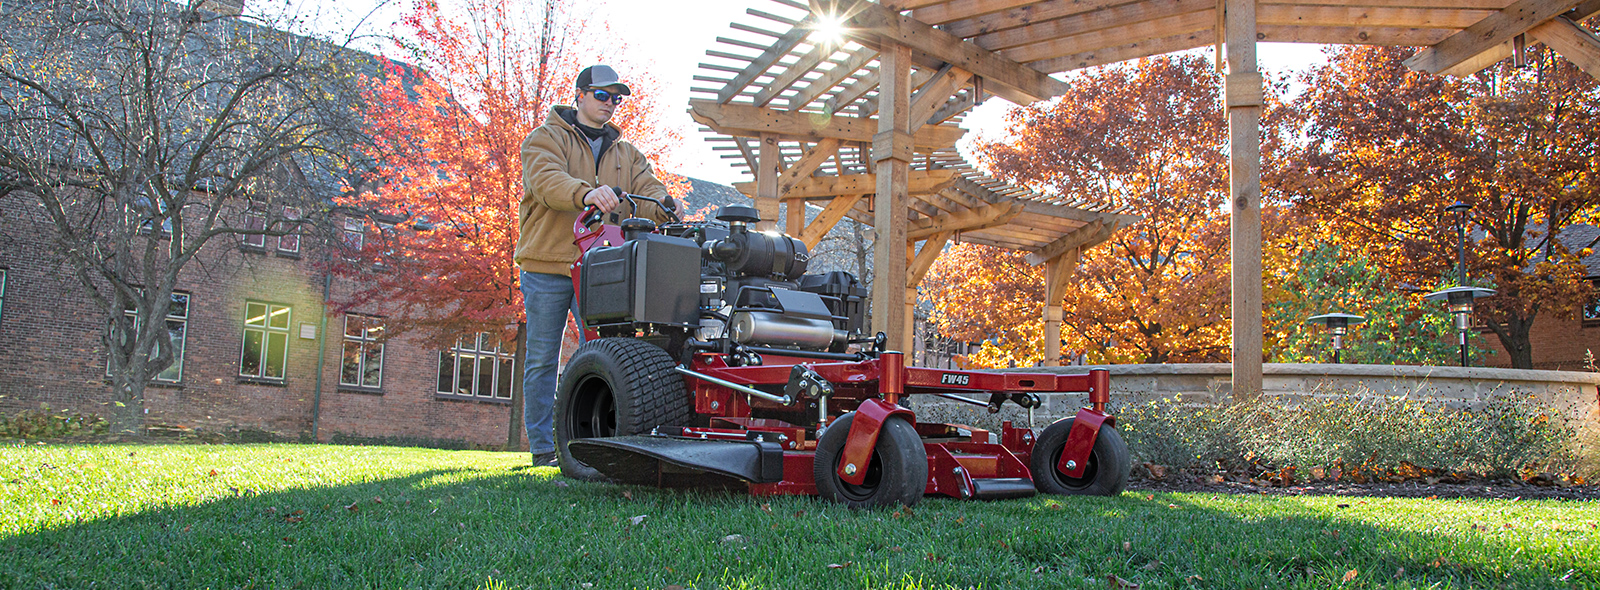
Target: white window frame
{"points": [[267, 328], [369, 336], [476, 349], [3, 272]]}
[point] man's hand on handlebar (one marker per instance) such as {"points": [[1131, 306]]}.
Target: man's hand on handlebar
{"points": [[602, 197]]}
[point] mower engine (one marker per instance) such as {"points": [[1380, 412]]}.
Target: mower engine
{"points": [[713, 360]]}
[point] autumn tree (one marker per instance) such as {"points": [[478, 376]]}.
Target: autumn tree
{"points": [[140, 131], [447, 143], [1387, 149], [1147, 136]]}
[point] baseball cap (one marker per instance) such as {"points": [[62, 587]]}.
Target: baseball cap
{"points": [[599, 77]]}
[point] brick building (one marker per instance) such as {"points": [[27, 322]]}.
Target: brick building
{"points": [[1561, 342], [257, 355]]}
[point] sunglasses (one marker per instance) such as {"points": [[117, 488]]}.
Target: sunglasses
{"points": [[605, 96]]}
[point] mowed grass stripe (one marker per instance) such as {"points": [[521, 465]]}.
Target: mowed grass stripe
{"points": [[285, 516]]}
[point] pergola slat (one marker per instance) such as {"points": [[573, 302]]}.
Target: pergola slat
{"points": [[1498, 28]]}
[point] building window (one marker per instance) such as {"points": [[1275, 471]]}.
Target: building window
{"points": [[477, 367], [177, 329], [1591, 309], [266, 340], [255, 222], [2, 293], [363, 353], [355, 230], [290, 243]]}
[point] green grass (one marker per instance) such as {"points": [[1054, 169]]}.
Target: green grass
{"points": [[151, 516]]}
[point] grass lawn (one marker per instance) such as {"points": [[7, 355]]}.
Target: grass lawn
{"points": [[294, 516]]}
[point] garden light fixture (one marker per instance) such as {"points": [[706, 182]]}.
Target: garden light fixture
{"points": [[1460, 297], [1337, 324]]}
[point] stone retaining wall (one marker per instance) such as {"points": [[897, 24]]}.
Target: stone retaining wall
{"points": [[1575, 392]]}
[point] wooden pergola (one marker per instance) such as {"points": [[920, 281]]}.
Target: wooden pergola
{"points": [[871, 111]]}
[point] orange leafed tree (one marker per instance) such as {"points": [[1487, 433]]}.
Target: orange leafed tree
{"points": [[446, 141], [1148, 136], [1388, 149]]}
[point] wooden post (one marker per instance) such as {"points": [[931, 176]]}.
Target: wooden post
{"points": [[1056, 272], [770, 165], [891, 155], [795, 213], [1242, 90]]}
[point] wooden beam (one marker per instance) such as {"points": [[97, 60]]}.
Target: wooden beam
{"points": [[960, 104], [1351, 35], [870, 18], [1569, 39], [963, 9], [1116, 16], [1369, 16], [756, 68], [891, 158], [1153, 29], [970, 219], [766, 196], [791, 74], [832, 77], [923, 262], [807, 164], [1035, 12], [829, 217], [1242, 97], [1087, 235], [921, 182], [1494, 54], [1458, 4], [1127, 51], [935, 94], [1485, 34], [749, 121]]}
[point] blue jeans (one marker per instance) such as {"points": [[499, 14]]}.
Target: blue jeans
{"points": [[546, 298]]}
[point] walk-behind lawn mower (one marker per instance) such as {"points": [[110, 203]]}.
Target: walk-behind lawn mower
{"points": [[713, 361]]}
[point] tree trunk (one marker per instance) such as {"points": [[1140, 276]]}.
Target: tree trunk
{"points": [[514, 430], [127, 408], [1515, 339]]}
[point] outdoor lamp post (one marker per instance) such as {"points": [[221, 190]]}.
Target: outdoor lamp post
{"points": [[1460, 297], [1460, 302], [1337, 324]]}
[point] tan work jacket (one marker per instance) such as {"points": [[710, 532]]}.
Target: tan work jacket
{"points": [[558, 169]]}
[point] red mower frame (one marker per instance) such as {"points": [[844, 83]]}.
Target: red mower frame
{"points": [[816, 397]]}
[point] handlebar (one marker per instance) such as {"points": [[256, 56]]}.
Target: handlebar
{"points": [[594, 215]]}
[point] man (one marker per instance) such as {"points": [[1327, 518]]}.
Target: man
{"points": [[568, 164]]}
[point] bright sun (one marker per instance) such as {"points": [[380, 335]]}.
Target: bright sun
{"points": [[829, 29]]}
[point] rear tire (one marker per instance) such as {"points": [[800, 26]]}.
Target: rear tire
{"points": [[897, 473], [616, 387], [1106, 474]]}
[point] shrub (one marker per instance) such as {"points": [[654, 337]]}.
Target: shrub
{"points": [[47, 423], [1506, 437]]}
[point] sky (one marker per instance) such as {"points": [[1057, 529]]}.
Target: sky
{"points": [[677, 33]]}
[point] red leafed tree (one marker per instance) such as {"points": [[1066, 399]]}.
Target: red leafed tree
{"points": [[447, 139], [1148, 136]]}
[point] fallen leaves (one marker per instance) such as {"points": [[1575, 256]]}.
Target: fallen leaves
{"points": [[353, 507], [1350, 576], [637, 520], [1116, 581], [839, 566]]}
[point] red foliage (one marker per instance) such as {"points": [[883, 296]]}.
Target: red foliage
{"points": [[447, 142]]}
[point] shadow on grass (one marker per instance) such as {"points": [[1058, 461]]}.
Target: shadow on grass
{"points": [[460, 528]]}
